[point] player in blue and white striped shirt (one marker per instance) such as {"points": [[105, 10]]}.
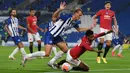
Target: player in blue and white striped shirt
{"points": [[118, 39], [62, 23], [47, 41], [12, 28]]}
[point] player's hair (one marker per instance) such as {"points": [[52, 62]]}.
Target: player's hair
{"points": [[89, 32], [11, 11], [31, 9], [106, 2], [79, 9]]}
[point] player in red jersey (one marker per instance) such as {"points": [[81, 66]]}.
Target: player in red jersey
{"points": [[32, 30], [85, 45], [106, 16]]}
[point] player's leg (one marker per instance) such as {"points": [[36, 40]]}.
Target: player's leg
{"points": [[116, 47], [38, 39], [21, 47], [63, 47], [108, 46], [16, 41], [31, 47], [82, 67], [49, 41], [77, 64], [54, 49], [100, 46], [30, 40], [11, 56], [120, 51]]}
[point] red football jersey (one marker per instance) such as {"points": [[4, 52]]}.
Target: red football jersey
{"points": [[32, 20], [106, 17], [84, 45]]}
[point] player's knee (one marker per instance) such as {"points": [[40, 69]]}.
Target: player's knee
{"points": [[20, 45], [39, 42]]}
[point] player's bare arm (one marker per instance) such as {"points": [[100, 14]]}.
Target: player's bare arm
{"points": [[81, 29], [94, 19], [22, 28], [56, 14], [30, 28], [40, 29], [7, 29], [115, 23]]}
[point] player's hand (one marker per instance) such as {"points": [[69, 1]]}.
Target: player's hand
{"points": [[110, 31], [62, 5], [92, 26], [41, 30], [25, 29]]}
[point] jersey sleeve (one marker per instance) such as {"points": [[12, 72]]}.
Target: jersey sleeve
{"points": [[77, 24], [28, 20], [85, 44], [8, 22], [99, 13], [64, 16]]}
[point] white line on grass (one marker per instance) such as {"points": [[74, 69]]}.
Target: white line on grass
{"points": [[101, 70]]}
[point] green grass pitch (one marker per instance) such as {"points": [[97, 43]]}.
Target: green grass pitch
{"points": [[114, 65]]}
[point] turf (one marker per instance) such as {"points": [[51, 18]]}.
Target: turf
{"points": [[114, 65]]}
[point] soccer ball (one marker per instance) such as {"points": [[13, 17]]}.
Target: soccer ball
{"points": [[66, 67]]}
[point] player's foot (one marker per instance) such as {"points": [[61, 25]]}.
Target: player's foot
{"points": [[98, 60], [113, 53], [24, 60], [119, 55], [12, 58], [52, 65], [104, 60]]}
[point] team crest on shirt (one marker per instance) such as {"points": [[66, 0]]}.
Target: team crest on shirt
{"points": [[106, 12]]}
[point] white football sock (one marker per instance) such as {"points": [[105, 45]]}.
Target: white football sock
{"points": [[14, 52], [36, 54], [116, 47], [23, 51], [54, 50], [56, 57], [120, 50]]}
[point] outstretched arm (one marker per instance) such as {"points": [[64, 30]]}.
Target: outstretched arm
{"points": [[56, 14], [22, 28], [81, 29], [102, 34]]}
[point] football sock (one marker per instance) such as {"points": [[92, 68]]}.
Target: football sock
{"points": [[100, 45], [106, 51], [23, 51], [14, 52], [31, 48], [54, 50], [116, 47], [56, 57], [61, 62], [120, 50], [39, 47], [36, 54]]}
